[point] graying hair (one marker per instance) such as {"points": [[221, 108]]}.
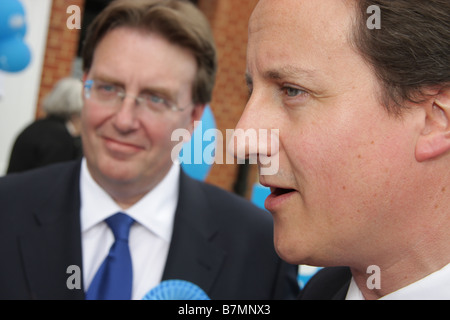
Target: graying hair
{"points": [[65, 99]]}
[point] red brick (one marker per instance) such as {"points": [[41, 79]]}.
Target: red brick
{"points": [[62, 45]]}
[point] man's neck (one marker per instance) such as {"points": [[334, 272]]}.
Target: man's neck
{"points": [[376, 281]]}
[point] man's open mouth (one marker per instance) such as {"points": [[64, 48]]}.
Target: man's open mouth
{"points": [[280, 191]]}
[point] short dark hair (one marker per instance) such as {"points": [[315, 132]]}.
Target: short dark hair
{"points": [[411, 50], [178, 21]]}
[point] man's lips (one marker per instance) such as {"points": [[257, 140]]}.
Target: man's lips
{"points": [[277, 190], [277, 197], [121, 146]]}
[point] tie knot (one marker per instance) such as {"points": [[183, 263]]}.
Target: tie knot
{"points": [[120, 224]]}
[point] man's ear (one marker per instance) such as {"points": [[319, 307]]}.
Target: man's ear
{"points": [[435, 136]]}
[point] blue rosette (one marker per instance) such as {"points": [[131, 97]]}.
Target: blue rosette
{"points": [[176, 290]]}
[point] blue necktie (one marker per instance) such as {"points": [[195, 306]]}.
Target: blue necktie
{"points": [[114, 278]]}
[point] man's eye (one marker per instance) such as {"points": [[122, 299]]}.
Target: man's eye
{"points": [[107, 88], [292, 92], [155, 99]]}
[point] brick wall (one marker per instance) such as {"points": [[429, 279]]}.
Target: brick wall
{"points": [[229, 21], [62, 45]]}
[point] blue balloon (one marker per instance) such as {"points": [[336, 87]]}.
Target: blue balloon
{"points": [[259, 195], [12, 19], [200, 153], [14, 54]]}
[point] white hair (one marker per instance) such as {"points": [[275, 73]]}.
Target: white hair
{"points": [[65, 99]]}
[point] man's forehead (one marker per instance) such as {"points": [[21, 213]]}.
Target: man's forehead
{"points": [[318, 15], [267, 11]]}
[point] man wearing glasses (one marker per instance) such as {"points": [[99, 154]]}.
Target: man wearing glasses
{"points": [[126, 215]]}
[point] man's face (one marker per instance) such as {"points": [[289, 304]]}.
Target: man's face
{"points": [[339, 187], [130, 145]]}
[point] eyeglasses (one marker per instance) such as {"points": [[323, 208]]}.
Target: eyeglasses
{"points": [[111, 94]]}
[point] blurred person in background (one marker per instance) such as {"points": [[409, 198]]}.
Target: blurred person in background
{"points": [[56, 137]]}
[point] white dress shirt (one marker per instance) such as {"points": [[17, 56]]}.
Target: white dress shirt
{"points": [[435, 286], [149, 237]]}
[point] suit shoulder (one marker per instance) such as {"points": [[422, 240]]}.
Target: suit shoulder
{"points": [[233, 203], [37, 181], [326, 283]]}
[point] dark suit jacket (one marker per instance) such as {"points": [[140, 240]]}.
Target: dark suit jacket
{"points": [[43, 142], [220, 242], [328, 284]]}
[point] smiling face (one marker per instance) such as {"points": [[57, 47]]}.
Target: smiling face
{"points": [[128, 147], [346, 173]]}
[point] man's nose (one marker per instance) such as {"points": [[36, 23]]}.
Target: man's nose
{"points": [[126, 119], [255, 137]]}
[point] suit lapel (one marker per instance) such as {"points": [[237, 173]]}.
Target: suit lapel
{"points": [[341, 294], [54, 242], [193, 256]]}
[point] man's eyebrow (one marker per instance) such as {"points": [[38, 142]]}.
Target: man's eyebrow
{"points": [[289, 72], [164, 92], [284, 73]]}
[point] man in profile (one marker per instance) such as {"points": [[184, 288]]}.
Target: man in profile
{"points": [[364, 141]]}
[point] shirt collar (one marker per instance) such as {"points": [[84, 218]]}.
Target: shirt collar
{"points": [[435, 286], [353, 292], [155, 211]]}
